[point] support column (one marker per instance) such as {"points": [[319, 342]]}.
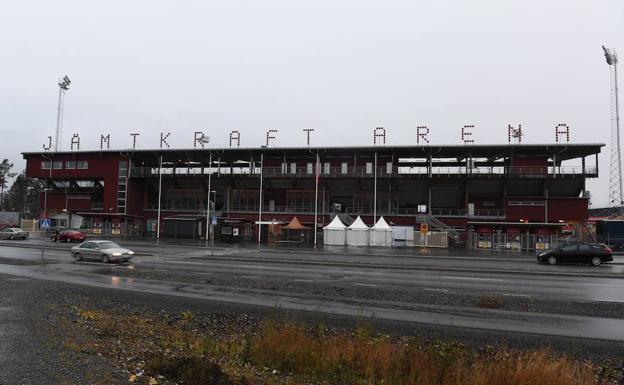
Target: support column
{"points": [[375, 192], [546, 203], [429, 201]]}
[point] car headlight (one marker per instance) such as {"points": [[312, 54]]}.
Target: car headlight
{"points": [[116, 254], [130, 252]]}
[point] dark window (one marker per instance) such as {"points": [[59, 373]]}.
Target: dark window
{"points": [[570, 248]]}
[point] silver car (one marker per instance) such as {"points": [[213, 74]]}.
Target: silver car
{"points": [[105, 251], [13, 233]]}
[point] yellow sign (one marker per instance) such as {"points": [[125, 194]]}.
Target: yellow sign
{"points": [[424, 228]]}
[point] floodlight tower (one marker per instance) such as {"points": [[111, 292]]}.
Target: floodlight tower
{"points": [[616, 198], [63, 84]]}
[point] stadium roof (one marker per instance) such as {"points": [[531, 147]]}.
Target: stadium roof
{"points": [[563, 151]]}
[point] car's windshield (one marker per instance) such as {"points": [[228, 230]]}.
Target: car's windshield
{"points": [[108, 245]]}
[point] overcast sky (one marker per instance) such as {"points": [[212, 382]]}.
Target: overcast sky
{"points": [[340, 67]]}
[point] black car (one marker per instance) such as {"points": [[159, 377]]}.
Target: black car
{"points": [[594, 253]]}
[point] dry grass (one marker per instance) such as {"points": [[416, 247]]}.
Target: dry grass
{"points": [[491, 302], [349, 359], [186, 350]]}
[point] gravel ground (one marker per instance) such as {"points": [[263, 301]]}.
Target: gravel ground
{"points": [[34, 349], [342, 290]]}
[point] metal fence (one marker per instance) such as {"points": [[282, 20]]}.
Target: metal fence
{"points": [[516, 242], [431, 239]]}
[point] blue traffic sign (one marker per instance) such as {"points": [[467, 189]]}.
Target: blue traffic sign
{"points": [[44, 223]]}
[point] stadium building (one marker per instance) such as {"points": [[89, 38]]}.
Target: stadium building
{"points": [[510, 195]]}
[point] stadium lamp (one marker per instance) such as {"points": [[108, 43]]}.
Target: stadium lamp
{"points": [[64, 82], [610, 56]]}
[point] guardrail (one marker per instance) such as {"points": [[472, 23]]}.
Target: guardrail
{"points": [[364, 171]]}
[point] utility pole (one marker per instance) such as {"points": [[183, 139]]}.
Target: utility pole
{"points": [[616, 196]]}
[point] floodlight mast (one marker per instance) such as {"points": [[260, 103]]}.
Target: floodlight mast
{"points": [[616, 196], [63, 84]]}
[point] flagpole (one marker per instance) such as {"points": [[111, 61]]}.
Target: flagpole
{"points": [[260, 206], [159, 199], [208, 198], [316, 173]]}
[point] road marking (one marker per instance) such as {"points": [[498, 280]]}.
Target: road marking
{"points": [[438, 290], [474, 279], [515, 295], [303, 280], [250, 276], [364, 284], [602, 284]]}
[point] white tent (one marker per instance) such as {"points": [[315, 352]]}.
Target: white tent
{"points": [[335, 233], [381, 234], [358, 233]]}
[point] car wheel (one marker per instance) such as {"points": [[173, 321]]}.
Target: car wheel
{"points": [[104, 258], [78, 257], [596, 261], [552, 260]]}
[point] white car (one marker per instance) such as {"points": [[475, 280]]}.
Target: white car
{"points": [[105, 251], [13, 233]]}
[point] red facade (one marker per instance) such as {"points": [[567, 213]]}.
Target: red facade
{"points": [[455, 184]]}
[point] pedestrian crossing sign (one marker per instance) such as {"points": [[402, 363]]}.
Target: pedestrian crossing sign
{"points": [[44, 223]]}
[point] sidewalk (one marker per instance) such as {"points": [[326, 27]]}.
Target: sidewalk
{"points": [[401, 251]]}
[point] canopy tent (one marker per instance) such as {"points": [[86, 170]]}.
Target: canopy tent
{"points": [[381, 234], [335, 233], [295, 224], [358, 234], [295, 231]]}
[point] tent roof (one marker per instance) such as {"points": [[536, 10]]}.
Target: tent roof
{"points": [[381, 225], [294, 224], [336, 224], [358, 224]]}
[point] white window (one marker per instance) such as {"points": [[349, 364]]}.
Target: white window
{"points": [[310, 168], [293, 168], [45, 165], [57, 165], [389, 168], [369, 167], [284, 168], [327, 168], [70, 165], [343, 168], [83, 164]]}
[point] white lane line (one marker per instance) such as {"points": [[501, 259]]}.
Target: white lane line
{"points": [[515, 295], [474, 279], [303, 280], [250, 276], [602, 284], [438, 290], [364, 284], [359, 272]]}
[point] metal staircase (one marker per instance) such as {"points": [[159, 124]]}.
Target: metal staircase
{"points": [[437, 225], [345, 218]]}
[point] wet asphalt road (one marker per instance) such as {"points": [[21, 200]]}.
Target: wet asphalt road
{"points": [[508, 275]]}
